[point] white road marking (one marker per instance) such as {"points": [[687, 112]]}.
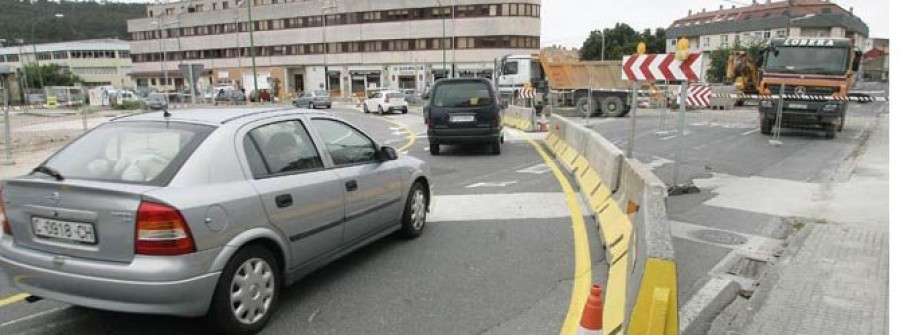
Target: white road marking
{"points": [[658, 162], [537, 169], [493, 184], [32, 316], [749, 132], [668, 138], [510, 206]]}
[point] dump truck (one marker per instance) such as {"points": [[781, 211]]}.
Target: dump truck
{"points": [[815, 74], [590, 86]]}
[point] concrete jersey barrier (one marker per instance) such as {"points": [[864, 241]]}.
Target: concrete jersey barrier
{"points": [[523, 118], [630, 203]]}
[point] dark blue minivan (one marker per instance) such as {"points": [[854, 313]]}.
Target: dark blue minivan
{"points": [[463, 111]]}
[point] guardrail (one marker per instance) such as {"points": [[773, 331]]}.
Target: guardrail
{"points": [[629, 202]]}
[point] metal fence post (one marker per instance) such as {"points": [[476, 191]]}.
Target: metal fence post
{"points": [[676, 188], [7, 137], [634, 105], [777, 140]]}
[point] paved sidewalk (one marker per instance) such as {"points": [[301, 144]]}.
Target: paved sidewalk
{"points": [[837, 282]]}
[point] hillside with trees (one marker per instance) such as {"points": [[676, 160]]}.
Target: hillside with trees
{"points": [[81, 20], [622, 40]]}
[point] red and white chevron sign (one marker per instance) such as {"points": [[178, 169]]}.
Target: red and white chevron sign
{"points": [[653, 67], [698, 96]]}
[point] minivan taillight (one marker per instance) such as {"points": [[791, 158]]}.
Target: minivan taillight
{"points": [[386, 98], [161, 230], [7, 229]]}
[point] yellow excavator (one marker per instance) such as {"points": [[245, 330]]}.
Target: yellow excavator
{"points": [[743, 73]]}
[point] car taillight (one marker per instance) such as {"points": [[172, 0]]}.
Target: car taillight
{"points": [[161, 230], [387, 99], [7, 229], [495, 122]]}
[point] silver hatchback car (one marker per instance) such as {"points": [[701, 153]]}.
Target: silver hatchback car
{"points": [[206, 212]]}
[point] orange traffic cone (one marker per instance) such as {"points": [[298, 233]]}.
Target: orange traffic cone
{"points": [[592, 318]]}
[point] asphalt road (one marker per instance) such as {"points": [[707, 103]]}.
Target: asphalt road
{"points": [[497, 257], [710, 241]]}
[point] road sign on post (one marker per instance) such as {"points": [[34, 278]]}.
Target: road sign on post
{"points": [[191, 72], [680, 66]]}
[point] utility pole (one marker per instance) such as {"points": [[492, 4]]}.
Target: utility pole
{"points": [[325, 44], [162, 65], [252, 46], [443, 36]]}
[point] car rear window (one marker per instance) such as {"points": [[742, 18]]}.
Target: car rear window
{"points": [[322, 93], [395, 95], [130, 152], [462, 95]]}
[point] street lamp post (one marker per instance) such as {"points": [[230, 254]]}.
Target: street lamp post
{"points": [[252, 46], [34, 49], [325, 45], [443, 37], [162, 65]]}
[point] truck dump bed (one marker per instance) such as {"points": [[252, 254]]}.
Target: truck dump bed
{"points": [[568, 73]]}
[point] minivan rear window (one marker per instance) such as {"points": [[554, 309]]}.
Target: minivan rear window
{"points": [[462, 95], [148, 153]]}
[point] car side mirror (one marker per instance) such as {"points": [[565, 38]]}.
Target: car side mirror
{"points": [[426, 95], [387, 153]]}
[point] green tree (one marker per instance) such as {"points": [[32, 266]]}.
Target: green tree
{"points": [[622, 40], [52, 75]]}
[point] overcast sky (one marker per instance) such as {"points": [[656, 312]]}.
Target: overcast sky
{"points": [[568, 22]]}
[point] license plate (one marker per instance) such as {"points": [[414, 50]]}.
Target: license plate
{"points": [[64, 230], [462, 118], [797, 106]]}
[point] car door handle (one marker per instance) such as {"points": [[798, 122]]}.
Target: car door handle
{"points": [[284, 200], [351, 186]]}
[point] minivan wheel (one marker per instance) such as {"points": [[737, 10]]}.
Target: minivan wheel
{"points": [[415, 212], [365, 109], [380, 110], [247, 292], [495, 147], [435, 149], [312, 105]]}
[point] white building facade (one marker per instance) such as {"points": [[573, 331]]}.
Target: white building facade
{"points": [[397, 44], [103, 62], [761, 21]]}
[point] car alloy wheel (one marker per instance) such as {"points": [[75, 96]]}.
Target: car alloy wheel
{"points": [[415, 212], [252, 290]]}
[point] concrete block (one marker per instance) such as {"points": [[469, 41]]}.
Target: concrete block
{"points": [[605, 158]]}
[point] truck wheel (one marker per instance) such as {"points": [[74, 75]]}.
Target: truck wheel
{"points": [[584, 107], [765, 125], [841, 127], [829, 130], [612, 107]]}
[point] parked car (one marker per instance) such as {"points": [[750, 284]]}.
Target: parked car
{"points": [[157, 101], [230, 95], [410, 95], [461, 111], [386, 102], [204, 212], [314, 99]]}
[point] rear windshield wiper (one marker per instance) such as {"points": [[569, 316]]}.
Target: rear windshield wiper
{"points": [[49, 171]]}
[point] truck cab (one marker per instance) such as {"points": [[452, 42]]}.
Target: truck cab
{"points": [[810, 72]]}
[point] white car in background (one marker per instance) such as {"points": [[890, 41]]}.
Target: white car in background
{"points": [[386, 102]]}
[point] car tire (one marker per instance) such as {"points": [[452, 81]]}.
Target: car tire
{"points": [[765, 125], [328, 107], [380, 110], [830, 130], [405, 110], [434, 149], [223, 314], [415, 212], [312, 105], [495, 147], [365, 108]]}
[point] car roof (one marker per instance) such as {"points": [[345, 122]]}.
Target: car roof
{"points": [[217, 116]]}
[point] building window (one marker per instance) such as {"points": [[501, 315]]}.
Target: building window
{"points": [[60, 55], [724, 40], [767, 34], [224, 5], [781, 33], [706, 41], [673, 42]]}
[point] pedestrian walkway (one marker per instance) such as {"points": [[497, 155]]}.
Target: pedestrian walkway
{"points": [[837, 282]]}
